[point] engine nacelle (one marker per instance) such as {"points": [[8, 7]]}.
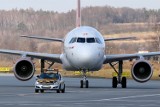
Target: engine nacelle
{"points": [[24, 69], [141, 71]]}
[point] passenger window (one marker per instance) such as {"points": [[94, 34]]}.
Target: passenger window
{"points": [[73, 40], [98, 40], [81, 40], [90, 40]]}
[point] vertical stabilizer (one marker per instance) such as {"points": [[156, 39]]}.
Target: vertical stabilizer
{"points": [[78, 18]]}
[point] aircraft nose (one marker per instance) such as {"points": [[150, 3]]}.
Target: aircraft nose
{"points": [[87, 57]]}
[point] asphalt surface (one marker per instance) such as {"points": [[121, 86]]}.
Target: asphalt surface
{"points": [[14, 93]]}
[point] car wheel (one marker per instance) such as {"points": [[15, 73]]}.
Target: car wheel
{"points": [[42, 91], [63, 90], [58, 91], [36, 90]]}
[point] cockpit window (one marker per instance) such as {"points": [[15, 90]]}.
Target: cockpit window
{"points": [[98, 40], [90, 40], [85, 40], [73, 40], [81, 40]]}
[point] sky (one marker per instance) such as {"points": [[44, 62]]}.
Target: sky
{"points": [[66, 5]]}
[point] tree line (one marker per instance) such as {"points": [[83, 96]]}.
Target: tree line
{"points": [[107, 19]]}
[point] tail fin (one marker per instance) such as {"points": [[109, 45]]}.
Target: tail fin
{"points": [[78, 18]]}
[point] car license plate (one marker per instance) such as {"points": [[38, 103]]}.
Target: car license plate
{"points": [[46, 86]]}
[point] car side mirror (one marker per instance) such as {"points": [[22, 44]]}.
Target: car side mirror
{"points": [[37, 76]]}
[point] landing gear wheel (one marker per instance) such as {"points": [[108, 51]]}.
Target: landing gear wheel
{"points": [[42, 91], [63, 90], [124, 82], [87, 83], [81, 84], [36, 90], [114, 82]]}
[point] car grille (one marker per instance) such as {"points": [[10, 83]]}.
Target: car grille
{"points": [[46, 87]]}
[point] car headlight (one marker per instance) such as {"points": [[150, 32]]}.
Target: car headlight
{"points": [[56, 83]]}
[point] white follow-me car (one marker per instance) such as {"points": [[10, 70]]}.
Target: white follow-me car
{"points": [[50, 81]]}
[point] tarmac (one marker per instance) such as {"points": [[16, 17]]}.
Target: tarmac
{"points": [[15, 93]]}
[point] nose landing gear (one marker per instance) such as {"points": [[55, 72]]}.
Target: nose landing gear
{"points": [[84, 82]]}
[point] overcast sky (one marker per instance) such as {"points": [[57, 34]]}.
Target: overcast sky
{"points": [[66, 5]]}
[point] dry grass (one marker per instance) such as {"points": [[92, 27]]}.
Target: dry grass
{"points": [[141, 35], [141, 38], [107, 71]]}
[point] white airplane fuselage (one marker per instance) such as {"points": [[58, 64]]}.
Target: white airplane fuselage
{"points": [[84, 49]]}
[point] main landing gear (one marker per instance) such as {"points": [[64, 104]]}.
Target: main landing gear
{"points": [[84, 82], [119, 79]]}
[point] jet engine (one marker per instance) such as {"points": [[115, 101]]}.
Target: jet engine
{"points": [[24, 69], [141, 71]]}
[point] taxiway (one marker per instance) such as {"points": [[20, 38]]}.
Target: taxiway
{"points": [[14, 93]]}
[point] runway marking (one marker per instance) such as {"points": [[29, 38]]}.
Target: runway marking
{"points": [[120, 98], [109, 99], [83, 102]]}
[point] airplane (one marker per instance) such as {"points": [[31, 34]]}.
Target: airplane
{"points": [[83, 50]]}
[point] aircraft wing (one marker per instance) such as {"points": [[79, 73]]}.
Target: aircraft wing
{"points": [[51, 57], [123, 38], [119, 57], [44, 38]]}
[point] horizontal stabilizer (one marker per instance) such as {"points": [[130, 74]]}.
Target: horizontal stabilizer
{"points": [[124, 38], [44, 38]]}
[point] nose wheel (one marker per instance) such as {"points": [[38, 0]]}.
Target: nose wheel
{"points": [[84, 82]]}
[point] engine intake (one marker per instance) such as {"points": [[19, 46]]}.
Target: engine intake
{"points": [[24, 69], [142, 71]]}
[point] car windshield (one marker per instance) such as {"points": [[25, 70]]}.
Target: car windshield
{"points": [[49, 76]]}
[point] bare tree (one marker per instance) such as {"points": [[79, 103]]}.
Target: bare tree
{"points": [[157, 38]]}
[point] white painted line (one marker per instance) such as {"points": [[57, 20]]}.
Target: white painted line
{"points": [[6, 74], [120, 98]]}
